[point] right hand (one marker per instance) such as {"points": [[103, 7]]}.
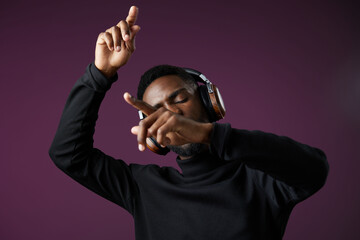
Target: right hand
{"points": [[167, 127], [115, 46]]}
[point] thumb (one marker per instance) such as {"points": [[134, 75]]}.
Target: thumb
{"points": [[134, 30], [135, 130], [131, 44]]}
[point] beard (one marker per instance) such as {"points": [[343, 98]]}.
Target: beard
{"points": [[187, 150]]}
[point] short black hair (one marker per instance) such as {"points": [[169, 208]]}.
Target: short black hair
{"points": [[163, 70]]}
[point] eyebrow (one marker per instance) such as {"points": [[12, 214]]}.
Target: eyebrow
{"points": [[171, 96]]}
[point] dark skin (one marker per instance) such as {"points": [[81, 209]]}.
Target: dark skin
{"points": [[175, 115], [179, 118]]}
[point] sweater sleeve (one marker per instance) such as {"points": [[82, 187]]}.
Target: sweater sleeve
{"points": [[72, 148], [296, 170]]}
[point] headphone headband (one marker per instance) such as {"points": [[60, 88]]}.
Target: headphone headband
{"points": [[198, 76]]}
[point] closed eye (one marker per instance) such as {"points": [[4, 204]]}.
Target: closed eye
{"points": [[181, 101]]}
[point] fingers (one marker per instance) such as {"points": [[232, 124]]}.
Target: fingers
{"points": [[152, 125], [125, 30], [162, 131], [167, 128], [132, 16], [131, 44], [107, 37], [134, 130], [142, 130], [141, 135], [111, 38], [138, 104], [114, 36], [134, 30], [126, 25], [161, 126], [115, 31]]}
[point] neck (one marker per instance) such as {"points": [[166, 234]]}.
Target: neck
{"points": [[200, 164]]}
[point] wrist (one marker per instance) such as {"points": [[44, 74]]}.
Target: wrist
{"points": [[207, 130], [108, 72]]}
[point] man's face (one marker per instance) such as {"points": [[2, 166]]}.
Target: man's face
{"points": [[172, 93]]}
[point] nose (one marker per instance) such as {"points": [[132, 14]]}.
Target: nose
{"points": [[173, 108]]}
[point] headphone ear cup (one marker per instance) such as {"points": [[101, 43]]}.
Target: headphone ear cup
{"points": [[155, 147], [217, 103], [213, 102], [210, 96], [205, 98]]}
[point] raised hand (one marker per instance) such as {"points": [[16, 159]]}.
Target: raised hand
{"points": [[115, 46]]}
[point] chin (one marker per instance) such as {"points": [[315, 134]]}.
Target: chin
{"points": [[187, 150]]}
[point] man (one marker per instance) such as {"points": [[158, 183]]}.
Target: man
{"points": [[234, 184]]}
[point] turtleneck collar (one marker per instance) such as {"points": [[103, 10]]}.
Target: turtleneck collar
{"points": [[199, 164]]}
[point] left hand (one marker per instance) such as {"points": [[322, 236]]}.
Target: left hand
{"points": [[115, 46], [168, 128]]}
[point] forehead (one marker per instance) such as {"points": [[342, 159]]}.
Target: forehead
{"points": [[162, 87]]}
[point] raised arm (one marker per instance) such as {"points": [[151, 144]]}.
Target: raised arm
{"points": [[72, 148]]}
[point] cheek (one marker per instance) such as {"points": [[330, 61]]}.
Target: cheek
{"points": [[196, 111]]}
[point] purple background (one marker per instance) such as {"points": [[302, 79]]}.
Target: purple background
{"points": [[290, 67]]}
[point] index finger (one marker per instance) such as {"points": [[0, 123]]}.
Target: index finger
{"points": [[132, 16], [139, 104]]}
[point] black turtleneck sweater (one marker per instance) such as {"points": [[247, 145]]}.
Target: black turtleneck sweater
{"points": [[243, 188]]}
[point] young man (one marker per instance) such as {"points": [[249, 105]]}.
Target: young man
{"points": [[234, 184]]}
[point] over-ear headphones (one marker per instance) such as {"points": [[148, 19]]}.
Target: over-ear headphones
{"points": [[211, 98]]}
